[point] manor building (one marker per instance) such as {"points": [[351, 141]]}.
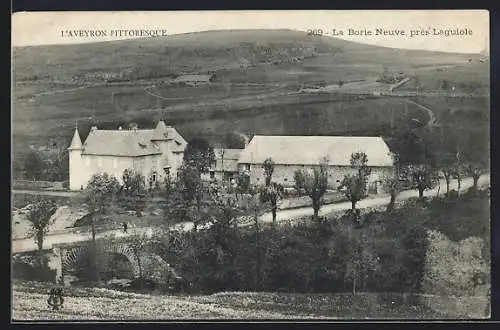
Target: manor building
{"points": [[158, 154], [155, 153]]}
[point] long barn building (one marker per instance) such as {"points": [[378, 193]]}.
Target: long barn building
{"points": [[292, 153]]}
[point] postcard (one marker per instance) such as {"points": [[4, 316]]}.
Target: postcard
{"points": [[250, 165]]}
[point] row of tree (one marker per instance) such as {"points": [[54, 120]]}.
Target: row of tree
{"points": [[36, 168]]}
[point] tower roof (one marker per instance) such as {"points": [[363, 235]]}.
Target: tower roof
{"points": [[76, 143], [160, 132]]}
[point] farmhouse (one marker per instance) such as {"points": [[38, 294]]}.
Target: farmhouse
{"points": [[292, 153], [155, 153], [225, 166]]}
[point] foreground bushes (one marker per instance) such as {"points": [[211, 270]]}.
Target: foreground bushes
{"points": [[382, 252]]}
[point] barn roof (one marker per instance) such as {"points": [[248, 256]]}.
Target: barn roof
{"points": [[310, 150]]}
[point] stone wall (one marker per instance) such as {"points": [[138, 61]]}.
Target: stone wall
{"points": [[36, 185], [284, 174]]}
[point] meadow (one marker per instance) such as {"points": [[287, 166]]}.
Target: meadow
{"points": [[29, 303], [255, 75]]}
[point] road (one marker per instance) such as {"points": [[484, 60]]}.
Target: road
{"points": [[432, 118], [47, 192], [370, 202], [28, 244]]}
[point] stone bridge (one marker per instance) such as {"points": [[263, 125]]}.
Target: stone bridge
{"points": [[115, 258]]}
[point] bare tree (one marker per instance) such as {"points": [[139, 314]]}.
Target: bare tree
{"points": [[475, 170], [314, 183]]}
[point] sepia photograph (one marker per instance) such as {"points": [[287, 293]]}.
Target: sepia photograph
{"points": [[250, 165]]}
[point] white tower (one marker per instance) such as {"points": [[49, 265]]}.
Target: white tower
{"points": [[160, 138], [75, 162]]}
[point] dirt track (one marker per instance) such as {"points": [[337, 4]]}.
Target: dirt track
{"points": [[28, 244]]}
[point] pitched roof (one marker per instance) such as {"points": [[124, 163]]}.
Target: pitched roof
{"points": [[130, 143], [76, 143], [160, 133], [179, 143], [230, 161], [309, 150], [228, 153]]}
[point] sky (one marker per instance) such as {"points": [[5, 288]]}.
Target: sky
{"points": [[44, 28]]}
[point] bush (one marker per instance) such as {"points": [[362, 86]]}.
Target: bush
{"points": [[31, 271]]}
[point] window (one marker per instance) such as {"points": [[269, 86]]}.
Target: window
{"points": [[152, 180], [247, 167], [167, 171], [212, 175]]}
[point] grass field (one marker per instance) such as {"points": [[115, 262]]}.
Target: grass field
{"points": [[56, 85], [30, 303]]}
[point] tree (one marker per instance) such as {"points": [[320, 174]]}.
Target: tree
{"points": [[195, 194], [59, 169], [423, 177], [254, 208], [39, 218], [100, 193], [199, 154], [235, 140], [33, 166], [355, 186], [315, 184], [139, 244], [133, 191], [447, 174], [459, 169], [299, 181], [271, 194], [272, 191], [243, 181], [359, 161], [392, 186], [476, 170], [361, 259], [268, 167]]}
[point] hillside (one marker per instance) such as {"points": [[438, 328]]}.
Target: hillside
{"points": [[200, 81]]}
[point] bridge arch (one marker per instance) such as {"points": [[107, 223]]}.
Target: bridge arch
{"points": [[75, 259]]}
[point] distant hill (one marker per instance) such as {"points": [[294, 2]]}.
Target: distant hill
{"points": [[129, 60], [248, 82]]}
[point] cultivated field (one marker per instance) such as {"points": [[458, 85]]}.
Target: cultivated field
{"points": [[255, 77]]}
